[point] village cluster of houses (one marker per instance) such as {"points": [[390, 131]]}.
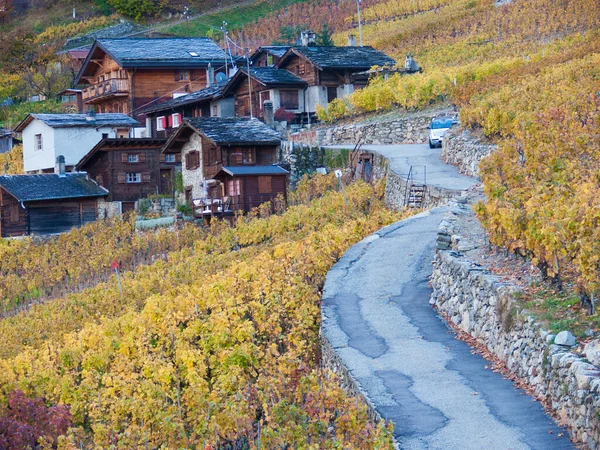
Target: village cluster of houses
{"points": [[156, 113]]}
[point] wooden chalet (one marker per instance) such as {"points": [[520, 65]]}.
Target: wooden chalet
{"points": [[280, 86], [165, 118], [125, 75], [228, 164], [131, 169], [268, 55], [328, 70], [71, 101], [47, 203]]}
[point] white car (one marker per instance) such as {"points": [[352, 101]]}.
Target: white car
{"points": [[437, 129]]}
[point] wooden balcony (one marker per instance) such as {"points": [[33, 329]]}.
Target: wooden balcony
{"points": [[115, 87]]}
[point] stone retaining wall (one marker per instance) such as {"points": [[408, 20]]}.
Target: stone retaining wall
{"points": [[395, 192], [411, 129], [480, 304], [465, 150]]}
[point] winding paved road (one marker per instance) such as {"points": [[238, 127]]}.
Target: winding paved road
{"points": [[438, 394]]}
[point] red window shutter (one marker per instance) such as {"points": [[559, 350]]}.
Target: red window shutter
{"points": [[142, 157], [146, 178], [121, 177], [162, 157], [169, 121], [123, 157], [187, 161]]}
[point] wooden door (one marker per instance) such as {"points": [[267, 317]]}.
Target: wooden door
{"points": [[166, 181]]}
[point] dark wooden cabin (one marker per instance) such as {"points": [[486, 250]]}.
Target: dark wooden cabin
{"points": [[47, 203], [125, 75], [328, 70], [131, 168], [217, 151], [280, 86], [244, 188], [166, 117], [71, 101]]}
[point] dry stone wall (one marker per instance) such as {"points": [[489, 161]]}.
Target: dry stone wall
{"points": [[465, 150], [480, 304]]}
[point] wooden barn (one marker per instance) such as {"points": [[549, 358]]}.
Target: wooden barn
{"points": [[268, 55], [131, 169], [228, 164], [47, 203], [280, 86], [125, 75]]}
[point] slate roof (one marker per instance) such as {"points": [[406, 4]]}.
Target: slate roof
{"points": [[210, 93], [235, 130], [237, 171], [275, 50], [275, 76], [51, 186], [343, 57], [80, 120], [163, 52]]}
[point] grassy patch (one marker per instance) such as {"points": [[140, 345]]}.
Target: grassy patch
{"points": [[560, 310], [236, 17]]}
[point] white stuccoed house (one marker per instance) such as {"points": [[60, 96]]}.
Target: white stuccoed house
{"points": [[45, 136]]}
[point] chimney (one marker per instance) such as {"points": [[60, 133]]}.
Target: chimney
{"points": [[59, 168], [408, 62], [269, 113], [210, 75], [104, 135], [351, 40], [308, 38]]}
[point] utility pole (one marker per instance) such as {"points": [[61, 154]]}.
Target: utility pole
{"points": [[186, 13], [226, 36], [359, 22], [249, 81]]}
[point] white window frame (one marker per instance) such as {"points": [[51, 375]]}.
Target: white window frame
{"points": [[133, 158], [133, 177], [39, 143], [161, 123], [176, 120], [170, 158]]}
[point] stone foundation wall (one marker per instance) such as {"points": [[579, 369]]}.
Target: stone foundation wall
{"points": [[480, 304], [465, 150], [331, 360], [395, 193]]}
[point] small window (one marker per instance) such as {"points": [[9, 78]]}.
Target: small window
{"points": [[39, 145], [193, 54], [176, 120], [161, 123], [133, 158], [170, 157], [270, 60], [65, 98], [192, 160], [248, 156], [331, 94], [182, 75], [72, 98], [132, 177], [215, 111]]}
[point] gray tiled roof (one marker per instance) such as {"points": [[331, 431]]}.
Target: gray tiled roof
{"points": [[235, 130], [163, 52], [276, 50], [275, 76], [345, 57], [51, 186], [254, 170], [210, 93], [81, 120]]}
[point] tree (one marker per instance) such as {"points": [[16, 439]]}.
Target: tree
{"points": [[26, 420], [324, 38], [288, 35]]}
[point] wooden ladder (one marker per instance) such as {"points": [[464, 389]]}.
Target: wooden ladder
{"points": [[415, 193], [355, 157]]}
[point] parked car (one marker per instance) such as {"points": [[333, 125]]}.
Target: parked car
{"points": [[437, 129]]}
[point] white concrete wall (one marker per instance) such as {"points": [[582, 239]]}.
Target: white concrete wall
{"points": [[33, 159], [73, 143], [193, 178], [316, 95]]}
